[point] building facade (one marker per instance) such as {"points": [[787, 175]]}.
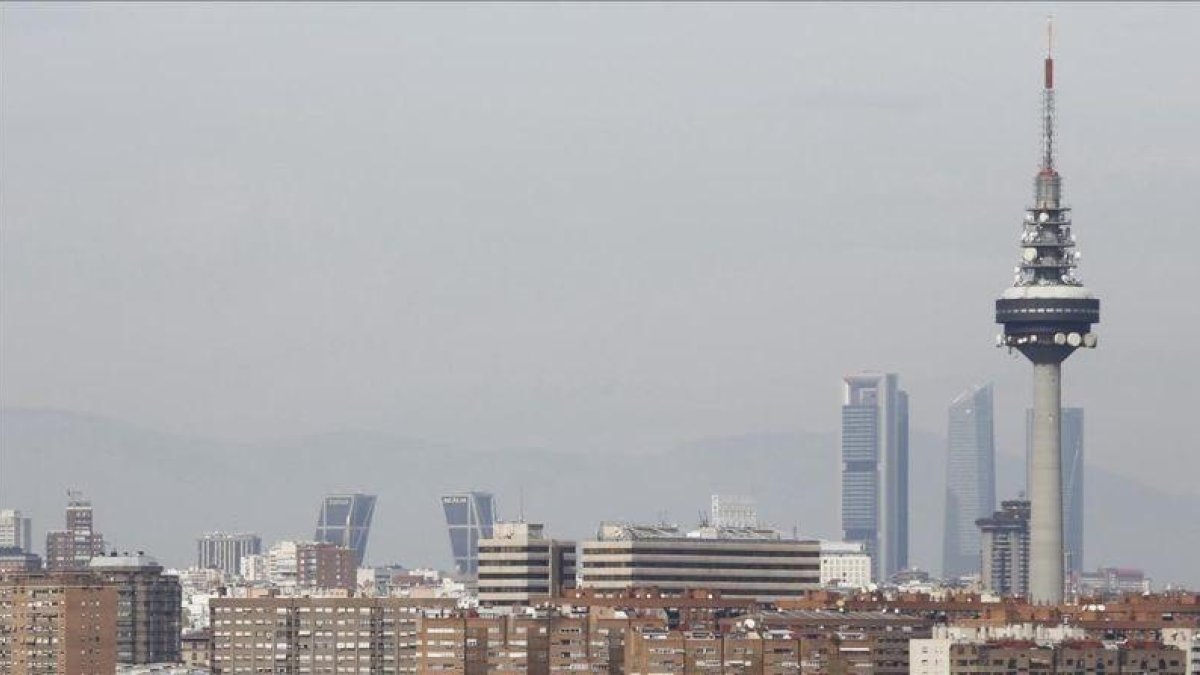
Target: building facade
{"points": [[221, 551], [345, 520], [737, 563], [875, 469], [15, 531], [519, 563], [970, 479], [74, 547], [57, 623], [321, 565], [1004, 548], [1073, 473], [470, 517], [844, 565], [311, 636], [149, 612]]}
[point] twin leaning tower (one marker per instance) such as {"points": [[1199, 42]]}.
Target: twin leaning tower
{"points": [[1047, 314]]}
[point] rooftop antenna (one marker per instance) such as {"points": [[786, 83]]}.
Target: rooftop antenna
{"points": [[521, 503]]}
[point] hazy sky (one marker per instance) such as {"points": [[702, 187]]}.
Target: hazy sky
{"points": [[585, 226]]}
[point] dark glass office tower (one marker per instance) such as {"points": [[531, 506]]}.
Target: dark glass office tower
{"points": [[345, 521], [875, 469], [469, 518]]}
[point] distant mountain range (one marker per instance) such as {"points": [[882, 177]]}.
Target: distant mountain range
{"points": [[157, 492]]}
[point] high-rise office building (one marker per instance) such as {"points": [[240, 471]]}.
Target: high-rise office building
{"points": [[875, 469], [970, 479], [221, 551], [469, 518], [345, 521], [74, 547], [15, 531], [1071, 445], [1004, 548]]}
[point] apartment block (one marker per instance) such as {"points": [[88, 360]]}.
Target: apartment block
{"points": [[149, 607], [57, 623], [309, 636]]}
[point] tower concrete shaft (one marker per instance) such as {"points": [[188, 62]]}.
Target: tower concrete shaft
{"points": [[1046, 513], [1047, 314]]}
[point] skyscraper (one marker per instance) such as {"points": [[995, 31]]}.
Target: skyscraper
{"points": [[345, 520], [1047, 314], [74, 547], [970, 479], [1072, 482], [875, 469], [469, 518], [15, 531]]}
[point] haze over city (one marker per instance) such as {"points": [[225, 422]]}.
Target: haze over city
{"points": [[612, 230]]}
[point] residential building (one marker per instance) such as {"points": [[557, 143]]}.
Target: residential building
{"points": [[149, 607], [1186, 640], [321, 565], [196, 649], [845, 565], [56, 624], [221, 551], [1073, 474], [469, 518], [1004, 546], [74, 547], [736, 562], [519, 563], [1083, 657], [15, 531], [970, 480], [875, 469], [308, 636], [345, 520]]}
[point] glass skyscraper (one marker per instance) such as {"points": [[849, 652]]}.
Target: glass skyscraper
{"points": [[345, 521], [1072, 479], [875, 469], [469, 518], [970, 479]]}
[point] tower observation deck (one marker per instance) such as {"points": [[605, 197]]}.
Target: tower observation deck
{"points": [[1046, 315]]}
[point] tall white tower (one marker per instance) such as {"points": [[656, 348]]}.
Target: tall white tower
{"points": [[1047, 314]]}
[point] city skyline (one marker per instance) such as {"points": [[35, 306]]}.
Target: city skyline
{"points": [[679, 281], [491, 291]]}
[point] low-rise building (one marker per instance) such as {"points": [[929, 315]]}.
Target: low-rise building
{"points": [[518, 563], [733, 562], [845, 564]]}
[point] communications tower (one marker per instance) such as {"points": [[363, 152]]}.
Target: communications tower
{"points": [[1047, 314]]}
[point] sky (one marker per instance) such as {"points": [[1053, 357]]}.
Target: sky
{"points": [[585, 227]]}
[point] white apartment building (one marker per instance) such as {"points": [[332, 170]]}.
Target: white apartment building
{"points": [[15, 531]]}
